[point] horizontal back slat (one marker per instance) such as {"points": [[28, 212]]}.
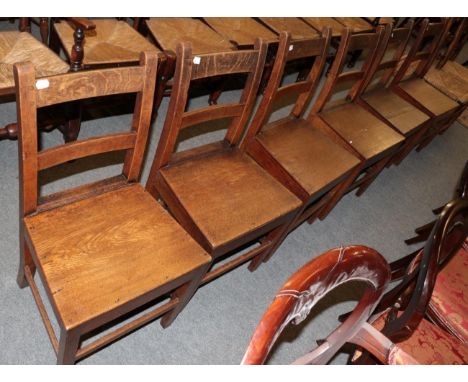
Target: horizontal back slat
{"points": [[349, 76], [398, 35], [211, 113], [223, 63], [87, 84], [434, 29], [305, 48], [362, 41], [295, 88], [388, 64], [92, 146]]}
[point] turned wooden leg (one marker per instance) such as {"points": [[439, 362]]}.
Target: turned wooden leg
{"points": [[54, 42], [10, 131], [44, 29], [71, 128], [184, 294], [26, 260], [68, 346]]}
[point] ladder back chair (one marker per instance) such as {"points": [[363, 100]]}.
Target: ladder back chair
{"points": [[292, 149], [339, 114], [216, 191], [379, 99], [104, 249], [409, 82], [447, 75]]}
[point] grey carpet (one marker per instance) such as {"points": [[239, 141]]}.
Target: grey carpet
{"points": [[216, 326]]}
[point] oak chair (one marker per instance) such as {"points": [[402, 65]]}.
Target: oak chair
{"points": [[18, 46], [338, 113], [380, 100], [216, 191], [401, 335], [409, 82], [293, 149], [104, 249]]}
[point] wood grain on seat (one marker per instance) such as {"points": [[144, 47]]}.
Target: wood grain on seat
{"points": [[400, 113], [428, 96], [313, 159], [296, 27], [228, 195], [20, 47], [366, 133], [449, 83], [170, 31], [321, 22], [355, 23], [241, 30], [112, 42], [98, 254], [456, 69]]}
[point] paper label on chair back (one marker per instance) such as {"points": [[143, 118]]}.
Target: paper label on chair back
{"points": [[42, 84]]}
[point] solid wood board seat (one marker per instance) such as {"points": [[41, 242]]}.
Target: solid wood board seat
{"points": [[428, 96], [313, 159], [241, 30], [296, 27], [112, 42], [400, 113], [169, 31], [228, 194], [320, 22], [20, 47], [357, 24], [456, 69], [448, 83], [97, 254], [366, 133]]}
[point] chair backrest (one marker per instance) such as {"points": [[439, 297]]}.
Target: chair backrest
{"points": [[423, 51], [391, 49], [453, 41], [302, 90], [32, 94], [410, 298], [305, 288], [206, 66], [349, 44]]}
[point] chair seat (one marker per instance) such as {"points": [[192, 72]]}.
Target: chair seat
{"points": [[366, 133], [112, 42], [313, 159], [21, 46], [449, 301], [448, 83], [430, 345], [357, 24], [228, 194], [242, 30], [100, 253], [400, 113], [299, 29], [456, 69], [169, 31], [428, 96], [320, 22]]}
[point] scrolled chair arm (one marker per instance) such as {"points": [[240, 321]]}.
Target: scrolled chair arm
{"points": [[312, 282]]}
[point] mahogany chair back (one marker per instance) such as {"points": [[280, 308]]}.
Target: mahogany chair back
{"points": [[305, 288], [337, 75], [392, 47], [453, 41], [33, 94], [302, 90], [190, 68], [423, 51]]}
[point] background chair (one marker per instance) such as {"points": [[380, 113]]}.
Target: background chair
{"points": [[216, 191], [107, 248]]}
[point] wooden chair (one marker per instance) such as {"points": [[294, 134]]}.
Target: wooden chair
{"points": [[18, 46], [293, 149], [107, 248], [216, 191], [399, 336], [380, 100], [409, 82], [319, 23], [448, 76], [98, 43], [373, 141]]}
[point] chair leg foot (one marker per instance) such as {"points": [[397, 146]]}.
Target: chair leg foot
{"points": [[68, 345]]}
